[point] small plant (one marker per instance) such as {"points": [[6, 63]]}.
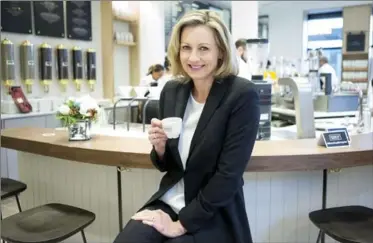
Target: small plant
{"points": [[77, 110]]}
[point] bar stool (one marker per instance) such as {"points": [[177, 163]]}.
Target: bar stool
{"points": [[349, 224], [12, 188], [49, 223], [150, 111]]}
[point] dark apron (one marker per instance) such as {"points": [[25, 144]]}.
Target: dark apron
{"points": [[151, 109]]}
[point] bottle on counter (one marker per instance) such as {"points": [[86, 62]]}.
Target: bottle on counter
{"points": [[370, 95], [367, 118]]}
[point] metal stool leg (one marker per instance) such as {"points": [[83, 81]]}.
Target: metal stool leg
{"points": [[18, 204], [144, 114], [83, 236], [319, 237]]}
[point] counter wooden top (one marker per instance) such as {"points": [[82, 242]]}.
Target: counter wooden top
{"points": [[131, 152]]}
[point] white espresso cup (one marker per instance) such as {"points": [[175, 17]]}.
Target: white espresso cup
{"points": [[172, 126]]}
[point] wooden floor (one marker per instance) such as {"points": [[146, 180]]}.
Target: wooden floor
{"points": [[277, 203]]}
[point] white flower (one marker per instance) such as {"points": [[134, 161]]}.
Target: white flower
{"points": [[87, 104], [64, 110], [86, 99], [71, 99]]}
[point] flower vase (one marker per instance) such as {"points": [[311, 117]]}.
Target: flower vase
{"points": [[80, 131]]}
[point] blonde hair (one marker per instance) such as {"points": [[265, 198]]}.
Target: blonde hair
{"points": [[228, 63]]}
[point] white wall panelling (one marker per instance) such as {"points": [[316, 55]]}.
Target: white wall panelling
{"points": [[92, 187], [277, 203]]}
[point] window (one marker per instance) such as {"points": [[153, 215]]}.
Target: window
{"points": [[263, 28], [325, 31]]}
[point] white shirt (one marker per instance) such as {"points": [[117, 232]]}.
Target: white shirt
{"points": [[243, 69], [145, 81], [164, 79], [175, 196], [326, 68]]}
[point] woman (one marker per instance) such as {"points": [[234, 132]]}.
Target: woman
{"points": [[200, 198]]}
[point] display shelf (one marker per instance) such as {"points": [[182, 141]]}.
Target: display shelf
{"points": [[126, 19], [108, 19], [351, 69], [124, 43]]}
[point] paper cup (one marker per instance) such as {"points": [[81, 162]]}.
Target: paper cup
{"points": [[172, 126]]}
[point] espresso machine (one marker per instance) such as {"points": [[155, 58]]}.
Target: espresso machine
{"points": [[258, 50]]}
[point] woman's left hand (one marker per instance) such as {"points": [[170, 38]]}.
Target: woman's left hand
{"points": [[161, 221]]}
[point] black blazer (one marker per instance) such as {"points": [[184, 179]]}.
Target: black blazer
{"points": [[219, 153]]}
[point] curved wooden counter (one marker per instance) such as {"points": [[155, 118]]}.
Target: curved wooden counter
{"points": [[130, 152]]}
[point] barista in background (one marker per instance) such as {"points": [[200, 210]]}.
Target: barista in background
{"points": [[167, 74], [155, 72], [325, 67], [243, 67], [152, 79]]}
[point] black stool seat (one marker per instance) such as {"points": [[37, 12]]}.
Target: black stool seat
{"points": [[11, 188], [47, 223], [350, 224]]}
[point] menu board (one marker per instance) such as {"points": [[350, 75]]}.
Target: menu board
{"points": [[49, 18], [16, 17], [79, 20], [355, 42]]}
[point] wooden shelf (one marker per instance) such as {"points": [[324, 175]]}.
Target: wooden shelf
{"points": [[354, 69], [356, 80], [124, 43], [356, 53], [355, 56], [126, 19], [108, 46]]}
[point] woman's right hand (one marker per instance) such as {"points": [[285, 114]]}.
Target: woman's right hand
{"points": [[157, 137]]}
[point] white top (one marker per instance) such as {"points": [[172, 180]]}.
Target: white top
{"points": [[243, 69], [145, 81], [175, 196], [327, 68], [164, 79]]}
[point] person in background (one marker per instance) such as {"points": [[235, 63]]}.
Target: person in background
{"points": [[155, 72], [167, 75], [241, 50], [325, 67], [152, 79], [200, 198]]}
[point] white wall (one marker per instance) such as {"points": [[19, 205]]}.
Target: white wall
{"points": [[244, 19], [17, 39], [287, 27], [152, 39], [121, 58]]}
